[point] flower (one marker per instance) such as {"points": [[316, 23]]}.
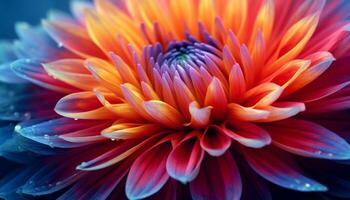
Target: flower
{"points": [[178, 99]]}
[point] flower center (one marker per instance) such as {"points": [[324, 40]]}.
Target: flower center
{"points": [[186, 54]]}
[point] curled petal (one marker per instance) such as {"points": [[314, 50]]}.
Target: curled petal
{"points": [[247, 134], [82, 105], [283, 110], [122, 110], [214, 141], [239, 112], [263, 95], [199, 116], [320, 62], [185, 159]]}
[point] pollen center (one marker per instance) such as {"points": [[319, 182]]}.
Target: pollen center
{"points": [[186, 55]]}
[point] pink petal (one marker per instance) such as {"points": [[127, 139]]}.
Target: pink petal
{"points": [[218, 178], [185, 160], [82, 105], [217, 98], [247, 134], [280, 169], [214, 141], [282, 110], [308, 139], [148, 173]]}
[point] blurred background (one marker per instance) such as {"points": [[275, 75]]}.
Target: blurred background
{"points": [[30, 11]]}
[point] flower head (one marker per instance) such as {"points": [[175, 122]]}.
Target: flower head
{"points": [[169, 92]]}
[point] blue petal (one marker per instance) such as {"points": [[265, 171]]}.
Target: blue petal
{"points": [[48, 131], [280, 169], [19, 103], [10, 184], [51, 177]]}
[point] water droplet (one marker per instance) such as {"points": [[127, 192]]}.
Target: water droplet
{"points": [[75, 118], [83, 164], [27, 60], [59, 45], [113, 139], [18, 128], [58, 182], [307, 185], [46, 136], [27, 115]]}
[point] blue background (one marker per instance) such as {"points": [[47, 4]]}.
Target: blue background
{"points": [[30, 11]]}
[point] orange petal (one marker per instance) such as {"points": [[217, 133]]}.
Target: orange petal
{"points": [[283, 110], [122, 110], [73, 72], [289, 72], [216, 97], [131, 130], [164, 113], [73, 37], [134, 98], [238, 112], [263, 22], [235, 16], [263, 95], [126, 73], [294, 41], [105, 74], [320, 61], [149, 92], [82, 105]]}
